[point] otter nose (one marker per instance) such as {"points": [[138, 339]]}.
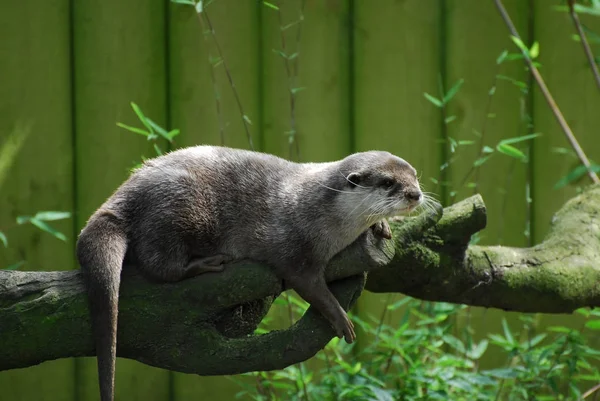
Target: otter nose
{"points": [[414, 195]]}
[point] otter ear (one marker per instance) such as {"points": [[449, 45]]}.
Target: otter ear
{"points": [[354, 179]]}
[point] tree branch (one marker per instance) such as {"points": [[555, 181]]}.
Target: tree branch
{"points": [[202, 326]]}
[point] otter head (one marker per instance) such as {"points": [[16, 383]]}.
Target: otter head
{"points": [[382, 185]]}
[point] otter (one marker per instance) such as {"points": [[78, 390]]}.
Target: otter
{"points": [[195, 209]]}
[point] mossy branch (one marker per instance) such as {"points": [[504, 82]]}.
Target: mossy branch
{"points": [[201, 326]]}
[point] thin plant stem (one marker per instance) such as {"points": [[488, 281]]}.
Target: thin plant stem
{"points": [[292, 76], [590, 392], [488, 107], [548, 96], [290, 311], [476, 169], [211, 29], [586, 46], [214, 83], [504, 207]]}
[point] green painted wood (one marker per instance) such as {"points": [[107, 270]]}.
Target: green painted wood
{"points": [[119, 57], [568, 76], [36, 162], [192, 92], [476, 36], [477, 25], [193, 109], [397, 52], [318, 74], [276, 83]]}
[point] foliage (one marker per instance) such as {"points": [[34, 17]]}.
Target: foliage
{"points": [[416, 350], [423, 355], [38, 220]]}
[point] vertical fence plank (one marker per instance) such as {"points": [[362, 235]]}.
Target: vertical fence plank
{"points": [[318, 74], [193, 54], [397, 58], [477, 25], [119, 52], [36, 162], [193, 109], [476, 36]]}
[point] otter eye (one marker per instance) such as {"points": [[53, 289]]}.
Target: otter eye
{"points": [[387, 183]]}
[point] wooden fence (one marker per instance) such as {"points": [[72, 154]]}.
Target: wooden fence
{"points": [[359, 70]]}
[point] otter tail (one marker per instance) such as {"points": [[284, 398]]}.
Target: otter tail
{"points": [[101, 248]]}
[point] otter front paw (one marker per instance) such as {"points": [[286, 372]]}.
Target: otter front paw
{"points": [[382, 229], [345, 328]]}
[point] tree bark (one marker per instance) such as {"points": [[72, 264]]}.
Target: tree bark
{"points": [[204, 325]]}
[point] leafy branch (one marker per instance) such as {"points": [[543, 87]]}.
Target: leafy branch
{"points": [[546, 92]]}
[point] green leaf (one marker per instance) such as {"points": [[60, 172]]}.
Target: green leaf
{"points": [[51, 216], [581, 9], [504, 373], [302, 304], [15, 266], [296, 90], [4, 239], [433, 100], [133, 129], [187, 2], [45, 227], [454, 343], [511, 151], [507, 332], [487, 149], [356, 368], [466, 142], [450, 94], [585, 311], [23, 219], [159, 130], [502, 57], [270, 5], [199, 7], [477, 351], [558, 329], [481, 160], [575, 174], [172, 134], [520, 44], [281, 53], [157, 150], [593, 324], [291, 24], [537, 339], [492, 91], [398, 304], [141, 116], [449, 119], [247, 119], [381, 394], [520, 138], [563, 151], [535, 50]]}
